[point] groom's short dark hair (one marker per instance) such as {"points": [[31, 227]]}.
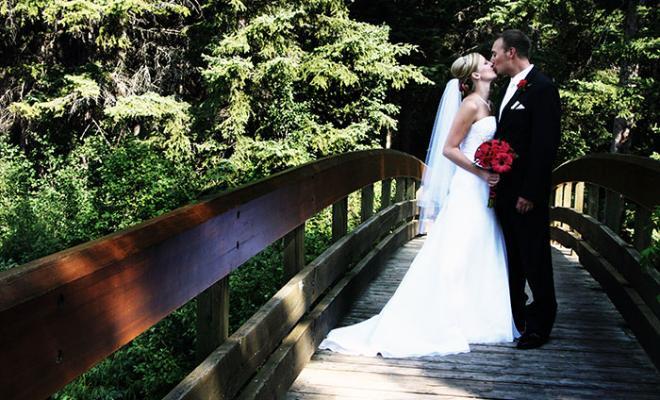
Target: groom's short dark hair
{"points": [[517, 39]]}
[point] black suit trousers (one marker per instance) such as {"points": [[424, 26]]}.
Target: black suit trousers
{"points": [[527, 239]]}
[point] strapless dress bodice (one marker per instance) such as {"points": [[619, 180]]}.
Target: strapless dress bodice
{"points": [[480, 131]]}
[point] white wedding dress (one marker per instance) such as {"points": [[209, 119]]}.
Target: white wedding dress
{"points": [[456, 291]]}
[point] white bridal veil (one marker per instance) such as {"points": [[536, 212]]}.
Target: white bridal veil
{"points": [[437, 177]]}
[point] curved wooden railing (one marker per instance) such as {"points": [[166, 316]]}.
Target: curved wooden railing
{"points": [[62, 314], [593, 194]]}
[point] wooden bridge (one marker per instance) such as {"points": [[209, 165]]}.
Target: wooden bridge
{"points": [[62, 314]]}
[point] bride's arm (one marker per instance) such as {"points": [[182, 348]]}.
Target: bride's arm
{"points": [[464, 119]]}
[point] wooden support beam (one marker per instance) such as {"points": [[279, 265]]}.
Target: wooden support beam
{"points": [[212, 318], [293, 254]]}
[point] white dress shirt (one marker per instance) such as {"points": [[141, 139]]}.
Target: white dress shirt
{"points": [[513, 86]]}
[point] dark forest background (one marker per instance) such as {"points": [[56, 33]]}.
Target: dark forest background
{"points": [[116, 111]]}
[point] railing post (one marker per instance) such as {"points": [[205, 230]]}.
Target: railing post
{"points": [[559, 194], [410, 189], [293, 254], [579, 197], [567, 195], [339, 219], [592, 200], [212, 317], [613, 210], [366, 203], [400, 192], [643, 228], [386, 194]]}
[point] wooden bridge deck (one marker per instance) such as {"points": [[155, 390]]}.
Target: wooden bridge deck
{"points": [[592, 353]]}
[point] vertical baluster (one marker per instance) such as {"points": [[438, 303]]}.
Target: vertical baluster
{"points": [[592, 199], [366, 203], [339, 219], [613, 210], [567, 195], [293, 253], [410, 189], [386, 194], [643, 228], [559, 194], [212, 318], [579, 197], [400, 192]]}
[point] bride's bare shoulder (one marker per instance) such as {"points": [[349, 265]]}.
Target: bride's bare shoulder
{"points": [[469, 105]]}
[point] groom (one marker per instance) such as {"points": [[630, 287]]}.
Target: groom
{"points": [[528, 118]]}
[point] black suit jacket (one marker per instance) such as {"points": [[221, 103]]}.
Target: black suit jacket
{"points": [[534, 133]]}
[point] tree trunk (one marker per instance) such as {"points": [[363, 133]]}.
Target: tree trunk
{"points": [[621, 126]]}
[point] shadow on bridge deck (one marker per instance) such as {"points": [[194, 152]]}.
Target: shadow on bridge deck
{"points": [[592, 353]]}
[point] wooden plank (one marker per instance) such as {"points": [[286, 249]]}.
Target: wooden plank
{"points": [[525, 374], [65, 312], [282, 368], [456, 386], [227, 369], [637, 313], [293, 256], [212, 318]]}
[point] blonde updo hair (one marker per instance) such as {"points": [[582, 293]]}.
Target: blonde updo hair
{"points": [[463, 67]]}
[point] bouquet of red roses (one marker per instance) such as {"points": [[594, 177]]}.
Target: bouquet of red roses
{"points": [[494, 155]]}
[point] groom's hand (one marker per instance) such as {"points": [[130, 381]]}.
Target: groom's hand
{"points": [[524, 206]]}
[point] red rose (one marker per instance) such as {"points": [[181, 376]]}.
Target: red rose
{"points": [[522, 83], [502, 163]]}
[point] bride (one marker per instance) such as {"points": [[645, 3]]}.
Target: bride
{"points": [[456, 290]]}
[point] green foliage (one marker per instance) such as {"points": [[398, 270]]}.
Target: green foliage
{"points": [[116, 111], [304, 81], [167, 120], [651, 255]]}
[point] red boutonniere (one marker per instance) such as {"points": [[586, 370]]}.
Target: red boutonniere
{"points": [[522, 84]]}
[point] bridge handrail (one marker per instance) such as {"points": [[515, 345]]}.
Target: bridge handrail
{"points": [[591, 194], [636, 178], [63, 313]]}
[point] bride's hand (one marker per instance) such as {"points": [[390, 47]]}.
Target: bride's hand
{"points": [[491, 178]]}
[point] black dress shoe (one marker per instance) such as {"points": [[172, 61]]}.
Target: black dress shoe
{"points": [[531, 340]]}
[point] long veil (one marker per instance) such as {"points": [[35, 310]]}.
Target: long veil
{"points": [[440, 170]]}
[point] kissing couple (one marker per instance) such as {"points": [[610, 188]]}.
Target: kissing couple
{"points": [[467, 283]]}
